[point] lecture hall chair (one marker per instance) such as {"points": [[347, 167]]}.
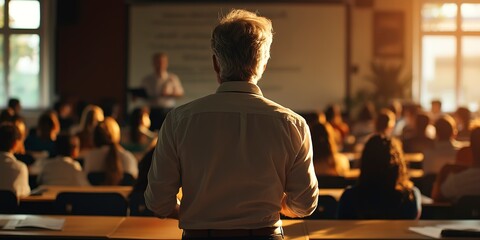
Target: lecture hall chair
{"points": [[8, 202], [91, 203]]}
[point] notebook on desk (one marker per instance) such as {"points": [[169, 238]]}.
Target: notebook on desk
{"points": [[33, 222]]}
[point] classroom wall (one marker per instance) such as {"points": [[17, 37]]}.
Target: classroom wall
{"points": [[362, 40], [91, 51]]}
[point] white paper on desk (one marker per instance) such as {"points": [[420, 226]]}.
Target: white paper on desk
{"points": [[433, 232], [36, 222]]}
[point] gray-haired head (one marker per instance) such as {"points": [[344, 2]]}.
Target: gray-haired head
{"points": [[241, 44]]}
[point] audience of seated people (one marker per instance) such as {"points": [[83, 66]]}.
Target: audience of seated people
{"points": [[383, 190], [104, 154], [64, 169], [326, 158], [137, 138], [108, 156], [13, 173]]}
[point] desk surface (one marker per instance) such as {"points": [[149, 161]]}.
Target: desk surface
{"points": [[154, 228], [50, 192], [373, 229]]}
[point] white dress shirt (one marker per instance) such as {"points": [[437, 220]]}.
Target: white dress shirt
{"points": [[161, 90], [235, 154], [95, 161], [13, 175], [63, 171]]}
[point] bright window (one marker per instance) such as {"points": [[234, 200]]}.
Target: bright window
{"points": [[450, 53], [21, 49]]}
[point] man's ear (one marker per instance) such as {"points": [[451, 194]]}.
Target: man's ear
{"points": [[215, 64]]}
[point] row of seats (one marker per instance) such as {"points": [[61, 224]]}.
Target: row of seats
{"points": [[85, 203], [114, 204]]}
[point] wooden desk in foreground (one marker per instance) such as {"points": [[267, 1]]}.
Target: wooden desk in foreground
{"points": [[81, 227], [94, 227]]}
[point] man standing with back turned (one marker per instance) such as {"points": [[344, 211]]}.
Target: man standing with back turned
{"points": [[240, 158]]}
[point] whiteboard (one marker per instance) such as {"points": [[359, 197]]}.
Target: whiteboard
{"points": [[307, 66]]}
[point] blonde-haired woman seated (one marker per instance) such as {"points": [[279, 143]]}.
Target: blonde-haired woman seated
{"points": [[90, 118], [109, 163]]}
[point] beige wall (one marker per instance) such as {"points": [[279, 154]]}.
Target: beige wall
{"points": [[362, 39]]}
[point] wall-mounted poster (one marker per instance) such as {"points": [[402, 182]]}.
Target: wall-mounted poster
{"points": [[388, 34]]}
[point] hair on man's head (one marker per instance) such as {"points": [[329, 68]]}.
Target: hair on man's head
{"points": [[241, 44]]}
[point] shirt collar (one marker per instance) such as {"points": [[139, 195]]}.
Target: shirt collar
{"points": [[239, 87]]}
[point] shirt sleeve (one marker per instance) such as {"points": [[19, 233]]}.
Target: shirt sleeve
{"points": [[22, 187], [164, 174], [302, 187]]}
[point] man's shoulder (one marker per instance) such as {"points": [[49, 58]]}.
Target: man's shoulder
{"points": [[265, 107]]}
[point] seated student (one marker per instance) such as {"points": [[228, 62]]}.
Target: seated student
{"points": [[108, 156], [8, 116], [137, 137], [462, 118], [90, 118], [383, 190], [326, 159], [419, 141], [13, 173], [64, 112], [46, 134], [456, 181], [384, 126], [445, 147], [365, 124], [63, 170], [14, 104], [333, 115]]}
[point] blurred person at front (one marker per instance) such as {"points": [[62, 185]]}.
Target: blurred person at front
{"points": [[162, 88]]}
